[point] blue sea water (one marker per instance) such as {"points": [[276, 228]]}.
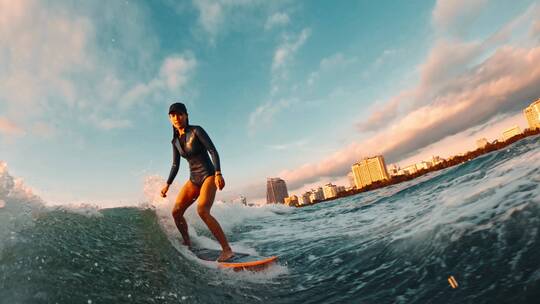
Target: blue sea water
{"points": [[477, 221]]}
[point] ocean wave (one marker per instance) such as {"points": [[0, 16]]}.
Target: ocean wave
{"points": [[477, 222]]}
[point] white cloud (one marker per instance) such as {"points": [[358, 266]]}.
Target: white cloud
{"points": [[292, 146], [56, 61], [456, 15], [466, 140], [213, 14], [336, 60], [210, 15], [285, 51], [330, 64], [38, 49], [462, 85], [264, 114], [277, 19], [176, 69], [282, 59], [174, 74]]}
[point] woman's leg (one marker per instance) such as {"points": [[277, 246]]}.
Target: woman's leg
{"points": [[206, 199], [185, 198]]}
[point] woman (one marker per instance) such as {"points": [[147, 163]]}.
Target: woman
{"points": [[192, 143]]}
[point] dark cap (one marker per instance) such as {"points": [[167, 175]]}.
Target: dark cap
{"points": [[177, 107]]}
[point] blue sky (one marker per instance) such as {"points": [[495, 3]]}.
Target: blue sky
{"points": [[296, 89]]}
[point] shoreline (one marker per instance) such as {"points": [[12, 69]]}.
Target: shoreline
{"points": [[447, 163]]}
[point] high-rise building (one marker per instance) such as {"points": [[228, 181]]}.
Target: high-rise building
{"points": [[369, 170], [511, 133], [361, 175], [532, 114], [481, 143], [329, 191], [276, 190], [304, 199]]}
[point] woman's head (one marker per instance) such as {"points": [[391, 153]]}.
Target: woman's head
{"points": [[178, 115]]}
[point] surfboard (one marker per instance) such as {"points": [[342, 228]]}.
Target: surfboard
{"points": [[240, 261]]}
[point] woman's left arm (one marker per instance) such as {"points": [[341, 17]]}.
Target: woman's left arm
{"points": [[207, 143]]}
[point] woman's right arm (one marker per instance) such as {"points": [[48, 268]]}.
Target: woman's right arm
{"points": [[175, 165]]}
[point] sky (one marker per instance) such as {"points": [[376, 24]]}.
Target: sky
{"points": [[294, 89]]}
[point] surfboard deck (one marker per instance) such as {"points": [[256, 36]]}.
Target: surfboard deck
{"points": [[240, 261]]}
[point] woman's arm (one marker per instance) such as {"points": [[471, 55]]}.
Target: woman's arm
{"points": [[207, 143], [205, 140], [175, 165]]}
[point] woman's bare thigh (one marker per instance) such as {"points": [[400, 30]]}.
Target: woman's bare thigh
{"points": [[187, 195], [207, 194]]}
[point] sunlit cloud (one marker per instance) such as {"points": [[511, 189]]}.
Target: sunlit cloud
{"points": [[446, 101], [456, 15]]}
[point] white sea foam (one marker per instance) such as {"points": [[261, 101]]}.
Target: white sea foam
{"points": [[20, 205], [85, 209], [470, 199], [229, 215]]}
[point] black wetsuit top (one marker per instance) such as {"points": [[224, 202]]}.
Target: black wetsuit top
{"points": [[194, 145]]}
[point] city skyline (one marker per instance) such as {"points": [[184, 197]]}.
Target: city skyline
{"points": [[372, 169], [83, 99]]}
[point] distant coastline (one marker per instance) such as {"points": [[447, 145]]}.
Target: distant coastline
{"points": [[455, 160]]}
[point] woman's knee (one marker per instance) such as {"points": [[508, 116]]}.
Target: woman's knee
{"points": [[203, 211], [178, 212]]}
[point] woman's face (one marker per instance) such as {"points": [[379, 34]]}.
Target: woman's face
{"points": [[178, 120]]}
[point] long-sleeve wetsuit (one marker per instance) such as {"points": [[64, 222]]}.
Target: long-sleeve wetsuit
{"points": [[194, 145]]}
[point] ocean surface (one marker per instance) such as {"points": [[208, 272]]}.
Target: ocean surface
{"points": [[478, 222]]}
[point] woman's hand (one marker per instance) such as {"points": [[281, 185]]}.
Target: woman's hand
{"points": [[220, 182], [164, 191]]}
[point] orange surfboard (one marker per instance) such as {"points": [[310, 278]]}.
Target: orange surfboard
{"points": [[240, 261]]}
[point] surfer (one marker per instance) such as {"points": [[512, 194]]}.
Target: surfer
{"points": [[192, 143]]}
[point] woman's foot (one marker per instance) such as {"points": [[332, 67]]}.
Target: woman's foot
{"points": [[225, 255]]}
